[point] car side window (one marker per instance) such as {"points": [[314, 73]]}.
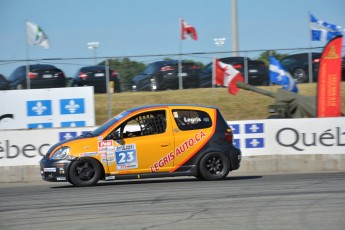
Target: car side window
{"points": [[144, 124], [191, 119]]}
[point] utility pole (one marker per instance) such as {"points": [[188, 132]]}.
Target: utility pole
{"points": [[234, 28]]}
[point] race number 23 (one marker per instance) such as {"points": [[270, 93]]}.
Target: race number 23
{"points": [[126, 157]]}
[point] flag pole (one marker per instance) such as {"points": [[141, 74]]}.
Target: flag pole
{"points": [[27, 67], [180, 83], [310, 67], [107, 77]]}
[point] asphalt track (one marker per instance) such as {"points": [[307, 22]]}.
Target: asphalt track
{"points": [[304, 201]]}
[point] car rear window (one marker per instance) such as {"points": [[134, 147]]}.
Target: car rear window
{"points": [[192, 119]]}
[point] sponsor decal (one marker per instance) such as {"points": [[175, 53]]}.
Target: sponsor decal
{"points": [[162, 162], [110, 178], [189, 143], [178, 151], [60, 178], [49, 169], [191, 120], [126, 157], [105, 143], [88, 154]]}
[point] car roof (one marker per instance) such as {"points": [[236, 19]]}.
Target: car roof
{"points": [[154, 106], [303, 54], [44, 66], [172, 62], [93, 67]]}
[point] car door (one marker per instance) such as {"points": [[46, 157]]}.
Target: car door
{"points": [[192, 129], [144, 143]]}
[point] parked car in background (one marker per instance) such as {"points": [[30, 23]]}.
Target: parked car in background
{"points": [[40, 75], [257, 71], [297, 66], [96, 76], [163, 75], [3, 82]]}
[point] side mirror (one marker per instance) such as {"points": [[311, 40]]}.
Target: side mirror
{"points": [[114, 136]]}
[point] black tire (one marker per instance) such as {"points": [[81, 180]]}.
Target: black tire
{"points": [[214, 166], [300, 75], [84, 172]]}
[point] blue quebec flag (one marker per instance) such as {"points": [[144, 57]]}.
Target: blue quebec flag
{"points": [[281, 77], [323, 31], [72, 106]]}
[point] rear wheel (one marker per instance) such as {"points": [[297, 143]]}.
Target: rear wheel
{"points": [[84, 172], [300, 75], [214, 166]]}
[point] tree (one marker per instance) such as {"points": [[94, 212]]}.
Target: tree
{"points": [[127, 69], [264, 56]]}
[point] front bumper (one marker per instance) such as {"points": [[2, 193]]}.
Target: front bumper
{"points": [[54, 170]]}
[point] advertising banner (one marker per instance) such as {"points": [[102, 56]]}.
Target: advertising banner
{"points": [[329, 79], [47, 108], [290, 136], [253, 137]]}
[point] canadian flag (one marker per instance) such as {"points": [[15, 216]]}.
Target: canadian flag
{"points": [[188, 31], [227, 75]]}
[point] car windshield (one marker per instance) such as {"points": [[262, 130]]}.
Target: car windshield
{"points": [[109, 123], [150, 69]]}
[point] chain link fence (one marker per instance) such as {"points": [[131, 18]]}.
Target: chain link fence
{"points": [[130, 66]]}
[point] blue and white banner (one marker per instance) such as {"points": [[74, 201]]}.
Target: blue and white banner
{"points": [[323, 31], [254, 138], [47, 108], [281, 77]]}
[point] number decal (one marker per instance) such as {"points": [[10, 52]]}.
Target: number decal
{"points": [[122, 158], [126, 157]]}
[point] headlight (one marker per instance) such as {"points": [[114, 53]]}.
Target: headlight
{"points": [[62, 154]]}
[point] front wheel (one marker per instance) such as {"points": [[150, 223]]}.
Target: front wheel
{"points": [[84, 172], [214, 166]]}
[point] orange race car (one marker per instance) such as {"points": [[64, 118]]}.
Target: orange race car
{"points": [[146, 142]]}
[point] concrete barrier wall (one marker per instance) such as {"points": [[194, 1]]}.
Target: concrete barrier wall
{"points": [[251, 165], [268, 146]]}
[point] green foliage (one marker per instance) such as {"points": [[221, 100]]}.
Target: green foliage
{"points": [[127, 69], [264, 56]]}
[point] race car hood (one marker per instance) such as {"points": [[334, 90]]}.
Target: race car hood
{"points": [[64, 142]]}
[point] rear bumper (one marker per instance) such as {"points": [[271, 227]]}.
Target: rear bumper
{"points": [[235, 159]]}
